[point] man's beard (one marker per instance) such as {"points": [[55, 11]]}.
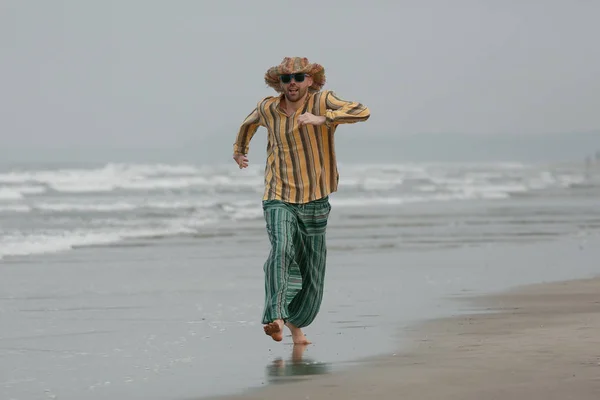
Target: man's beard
{"points": [[297, 96]]}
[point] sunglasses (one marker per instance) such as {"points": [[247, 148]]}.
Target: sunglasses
{"points": [[287, 78]]}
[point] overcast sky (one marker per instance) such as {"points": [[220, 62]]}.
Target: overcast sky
{"points": [[183, 74]]}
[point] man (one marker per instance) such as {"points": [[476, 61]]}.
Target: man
{"points": [[301, 172]]}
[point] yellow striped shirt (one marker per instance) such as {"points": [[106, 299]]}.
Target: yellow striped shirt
{"points": [[301, 162]]}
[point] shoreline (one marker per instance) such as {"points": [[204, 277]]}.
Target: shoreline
{"points": [[538, 341]]}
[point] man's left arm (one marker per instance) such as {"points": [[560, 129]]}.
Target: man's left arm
{"points": [[344, 112]]}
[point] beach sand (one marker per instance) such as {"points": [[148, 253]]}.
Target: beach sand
{"points": [[533, 342]]}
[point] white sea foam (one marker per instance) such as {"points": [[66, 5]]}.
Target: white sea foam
{"points": [[10, 194], [240, 214], [23, 190], [160, 177], [107, 171], [82, 187], [137, 204], [18, 208], [107, 178], [19, 244], [364, 200], [119, 201], [65, 207]]}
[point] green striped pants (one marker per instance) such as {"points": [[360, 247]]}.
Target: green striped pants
{"points": [[295, 268]]}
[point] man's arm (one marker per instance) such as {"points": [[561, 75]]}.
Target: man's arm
{"points": [[344, 112], [247, 130]]}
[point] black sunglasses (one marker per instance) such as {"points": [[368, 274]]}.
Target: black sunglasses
{"points": [[287, 78]]}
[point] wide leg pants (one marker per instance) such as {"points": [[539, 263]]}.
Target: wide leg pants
{"points": [[295, 268]]}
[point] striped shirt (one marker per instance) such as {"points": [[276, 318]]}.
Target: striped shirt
{"points": [[301, 162]]}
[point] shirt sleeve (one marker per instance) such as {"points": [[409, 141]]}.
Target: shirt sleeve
{"points": [[344, 112], [247, 130]]}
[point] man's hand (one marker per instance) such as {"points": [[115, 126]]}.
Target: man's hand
{"points": [[310, 119], [241, 160]]}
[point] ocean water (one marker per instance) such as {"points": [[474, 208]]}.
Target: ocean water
{"points": [[56, 208], [144, 281]]}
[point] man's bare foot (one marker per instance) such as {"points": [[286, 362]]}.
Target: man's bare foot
{"points": [[297, 335], [275, 330]]}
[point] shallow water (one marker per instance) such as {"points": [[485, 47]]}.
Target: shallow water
{"points": [[164, 322]]}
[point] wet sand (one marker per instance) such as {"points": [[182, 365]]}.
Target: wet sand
{"points": [[534, 342]]}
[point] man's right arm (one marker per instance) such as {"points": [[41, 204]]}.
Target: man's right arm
{"points": [[247, 130]]}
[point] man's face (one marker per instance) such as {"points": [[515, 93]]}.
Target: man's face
{"points": [[292, 89]]}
